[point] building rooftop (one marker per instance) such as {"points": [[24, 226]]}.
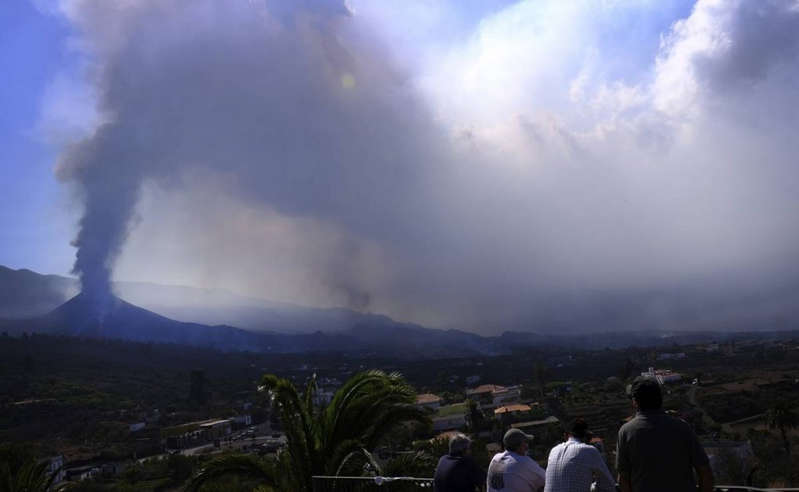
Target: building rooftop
{"points": [[513, 408], [485, 388], [427, 398], [533, 423]]}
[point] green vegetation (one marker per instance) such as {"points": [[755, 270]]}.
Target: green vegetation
{"points": [[21, 472], [78, 398], [329, 440], [783, 417], [454, 409], [727, 406], [265, 472]]}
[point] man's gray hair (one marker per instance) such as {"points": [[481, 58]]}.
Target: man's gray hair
{"points": [[459, 443]]}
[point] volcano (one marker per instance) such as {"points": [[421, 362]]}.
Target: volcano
{"points": [[112, 317]]}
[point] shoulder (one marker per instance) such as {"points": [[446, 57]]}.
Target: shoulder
{"points": [[530, 463], [556, 448], [628, 426], [588, 450], [534, 467]]}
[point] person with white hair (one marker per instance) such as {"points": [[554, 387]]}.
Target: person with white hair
{"points": [[457, 471]]}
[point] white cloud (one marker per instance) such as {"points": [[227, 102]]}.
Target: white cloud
{"points": [[723, 45], [535, 155]]}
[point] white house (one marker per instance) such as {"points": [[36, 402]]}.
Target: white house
{"points": [[662, 376]]}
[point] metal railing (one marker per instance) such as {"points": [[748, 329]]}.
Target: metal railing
{"points": [[746, 488], [323, 483]]}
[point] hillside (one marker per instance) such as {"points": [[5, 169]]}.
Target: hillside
{"points": [[26, 294], [283, 328]]}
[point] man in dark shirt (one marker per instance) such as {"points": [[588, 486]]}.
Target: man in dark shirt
{"points": [[657, 452], [456, 471]]}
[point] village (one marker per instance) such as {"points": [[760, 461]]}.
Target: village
{"points": [[721, 389]]}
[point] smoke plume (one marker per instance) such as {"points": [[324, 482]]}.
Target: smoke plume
{"points": [[550, 165], [272, 100]]}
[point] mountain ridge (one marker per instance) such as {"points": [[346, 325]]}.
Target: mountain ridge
{"points": [[26, 294], [361, 333]]}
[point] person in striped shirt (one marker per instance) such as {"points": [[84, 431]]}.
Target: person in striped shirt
{"points": [[573, 466]]}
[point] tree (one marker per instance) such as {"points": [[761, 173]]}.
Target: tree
{"points": [[781, 416], [326, 441], [419, 464], [197, 387], [476, 419], [627, 370], [180, 467], [249, 466], [540, 376], [21, 472], [29, 364]]}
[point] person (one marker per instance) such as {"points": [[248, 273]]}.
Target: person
{"points": [[512, 470], [457, 471], [572, 465], [657, 452]]}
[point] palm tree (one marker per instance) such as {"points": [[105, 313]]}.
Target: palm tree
{"points": [[241, 465], [323, 441], [476, 418], [782, 416], [30, 476]]}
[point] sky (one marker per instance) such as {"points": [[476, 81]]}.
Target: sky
{"points": [[34, 230], [491, 165]]}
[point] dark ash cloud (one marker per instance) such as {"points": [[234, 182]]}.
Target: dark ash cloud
{"points": [[294, 155]]}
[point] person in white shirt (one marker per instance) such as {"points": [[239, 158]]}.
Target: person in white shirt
{"points": [[513, 470], [574, 465]]}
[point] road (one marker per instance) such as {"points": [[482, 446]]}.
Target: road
{"points": [[211, 449], [228, 445]]}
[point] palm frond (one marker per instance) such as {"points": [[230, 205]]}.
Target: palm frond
{"points": [[339, 454], [389, 418], [355, 404], [349, 391], [29, 476], [300, 427], [310, 392], [366, 455], [414, 464], [235, 464], [328, 440]]}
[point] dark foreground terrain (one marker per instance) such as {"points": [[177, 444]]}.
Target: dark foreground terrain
{"points": [[115, 402]]}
